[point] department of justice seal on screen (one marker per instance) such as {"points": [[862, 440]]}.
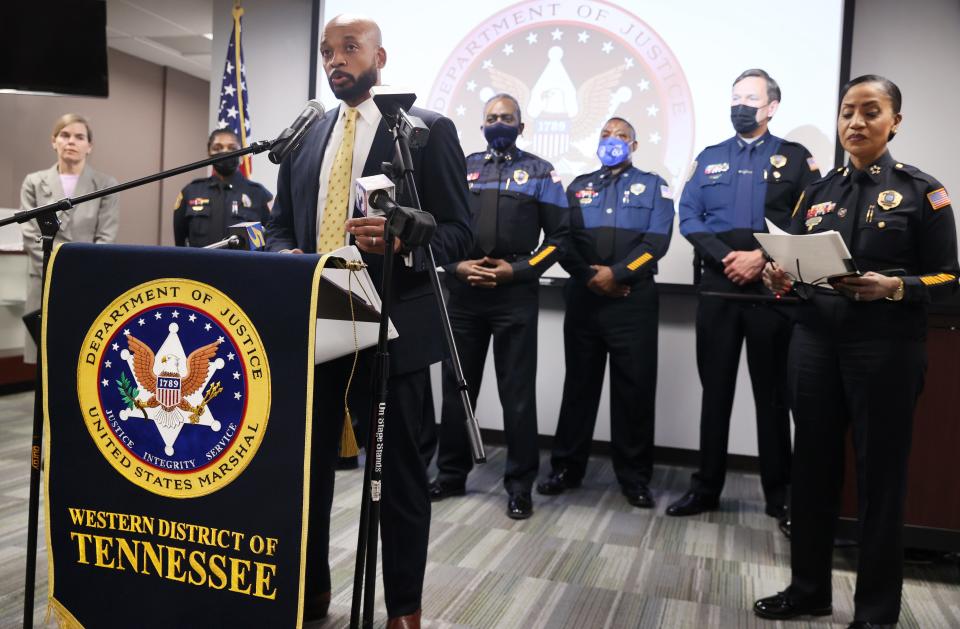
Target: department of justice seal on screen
{"points": [[174, 385]]}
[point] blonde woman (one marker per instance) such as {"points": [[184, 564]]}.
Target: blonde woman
{"points": [[71, 176]]}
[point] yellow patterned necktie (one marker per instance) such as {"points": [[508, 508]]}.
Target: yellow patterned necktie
{"points": [[331, 234]]}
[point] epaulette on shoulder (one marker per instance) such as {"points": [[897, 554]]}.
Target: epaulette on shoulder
{"points": [[198, 180], [793, 145], [582, 177], [916, 173], [833, 172]]}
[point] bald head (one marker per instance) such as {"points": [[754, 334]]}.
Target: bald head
{"points": [[359, 24], [353, 55]]}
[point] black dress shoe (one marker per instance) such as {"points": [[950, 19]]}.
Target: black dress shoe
{"points": [[520, 505], [777, 511], [558, 482], [866, 624], [639, 496], [781, 607], [692, 503], [316, 606], [439, 489]]}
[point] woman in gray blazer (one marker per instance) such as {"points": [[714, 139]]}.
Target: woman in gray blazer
{"points": [[93, 221]]}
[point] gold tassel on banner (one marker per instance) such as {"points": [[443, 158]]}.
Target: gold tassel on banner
{"points": [[348, 440]]}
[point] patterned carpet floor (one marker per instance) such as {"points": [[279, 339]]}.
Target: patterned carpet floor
{"points": [[585, 559]]}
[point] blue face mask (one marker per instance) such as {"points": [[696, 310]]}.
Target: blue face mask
{"points": [[613, 151], [500, 136]]}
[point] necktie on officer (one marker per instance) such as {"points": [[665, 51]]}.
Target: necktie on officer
{"points": [[331, 234], [743, 202], [487, 221]]}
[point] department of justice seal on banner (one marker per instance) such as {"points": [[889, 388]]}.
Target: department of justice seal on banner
{"points": [[174, 384]]}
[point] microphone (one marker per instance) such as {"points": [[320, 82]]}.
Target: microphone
{"points": [[382, 202], [249, 235], [393, 102], [367, 187], [290, 138]]}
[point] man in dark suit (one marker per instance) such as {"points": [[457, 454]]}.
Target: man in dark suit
{"points": [[310, 215]]}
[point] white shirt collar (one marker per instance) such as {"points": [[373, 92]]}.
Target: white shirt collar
{"points": [[367, 111]]}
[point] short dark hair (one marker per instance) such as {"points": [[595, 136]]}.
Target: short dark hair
{"points": [[889, 87], [217, 132], [773, 88], [633, 132], [504, 96]]}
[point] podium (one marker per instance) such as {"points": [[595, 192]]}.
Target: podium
{"points": [[178, 406]]}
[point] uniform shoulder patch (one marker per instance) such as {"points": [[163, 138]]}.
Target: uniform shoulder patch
{"points": [[938, 198]]}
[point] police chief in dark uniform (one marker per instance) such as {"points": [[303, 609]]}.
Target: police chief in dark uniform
{"points": [[206, 207], [857, 356], [733, 187], [513, 196], [621, 219]]}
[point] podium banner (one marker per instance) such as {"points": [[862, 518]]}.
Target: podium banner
{"points": [[177, 402]]}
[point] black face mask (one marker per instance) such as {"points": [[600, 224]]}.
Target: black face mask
{"points": [[228, 166], [744, 118]]}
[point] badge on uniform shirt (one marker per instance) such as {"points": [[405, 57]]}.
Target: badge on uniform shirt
{"points": [[889, 199], [520, 176], [198, 203], [473, 176], [778, 161], [637, 188], [587, 195], [246, 200], [179, 200], [813, 222], [716, 169], [820, 209]]}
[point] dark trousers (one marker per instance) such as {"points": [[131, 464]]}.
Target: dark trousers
{"points": [[722, 326], [509, 314], [625, 329], [405, 506], [872, 386]]}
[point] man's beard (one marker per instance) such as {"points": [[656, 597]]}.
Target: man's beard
{"points": [[361, 85]]}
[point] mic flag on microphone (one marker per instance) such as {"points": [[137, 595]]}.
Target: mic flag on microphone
{"points": [[290, 138], [366, 186], [250, 235]]}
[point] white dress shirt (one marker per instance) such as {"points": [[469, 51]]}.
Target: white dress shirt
{"points": [[368, 120]]}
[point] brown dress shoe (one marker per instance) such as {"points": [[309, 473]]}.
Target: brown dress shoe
{"points": [[410, 621], [315, 607]]}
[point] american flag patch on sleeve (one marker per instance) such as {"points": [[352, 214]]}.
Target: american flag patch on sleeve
{"points": [[554, 176], [812, 164], [938, 198]]}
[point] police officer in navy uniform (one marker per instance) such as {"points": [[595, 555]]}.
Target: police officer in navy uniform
{"points": [[857, 356], [513, 196], [733, 187], [207, 206], [621, 219]]}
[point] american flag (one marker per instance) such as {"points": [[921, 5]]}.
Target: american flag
{"points": [[234, 111]]}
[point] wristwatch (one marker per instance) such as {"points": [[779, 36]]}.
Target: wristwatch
{"points": [[897, 294]]}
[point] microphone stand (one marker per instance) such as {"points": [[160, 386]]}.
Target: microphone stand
{"points": [[46, 217], [365, 571]]}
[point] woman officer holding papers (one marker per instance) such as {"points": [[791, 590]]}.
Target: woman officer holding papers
{"points": [[857, 355]]}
